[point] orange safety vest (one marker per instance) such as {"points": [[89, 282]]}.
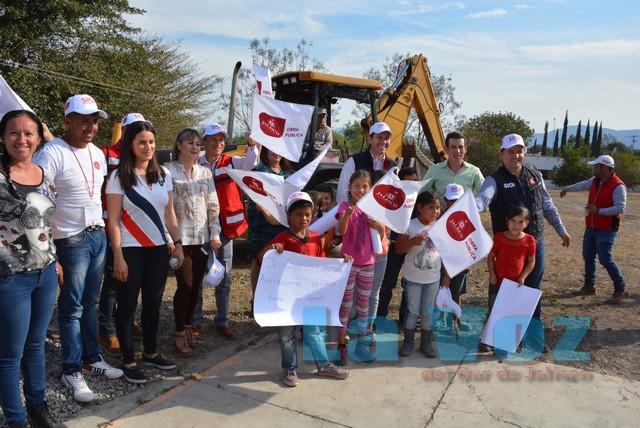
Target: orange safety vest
{"points": [[601, 195], [232, 218]]}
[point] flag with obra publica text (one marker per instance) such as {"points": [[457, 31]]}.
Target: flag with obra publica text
{"points": [[263, 79], [391, 200], [460, 237], [280, 126]]}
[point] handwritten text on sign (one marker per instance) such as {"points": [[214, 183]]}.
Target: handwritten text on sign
{"points": [[289, 282]]}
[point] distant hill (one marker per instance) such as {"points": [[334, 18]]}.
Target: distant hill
{"points": [[625, 137]]}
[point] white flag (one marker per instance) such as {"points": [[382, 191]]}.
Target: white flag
{"points": [[460, 237], [9, 100], [263, 79], [272, 191], [391, 200], [280, 126], [263, 188]]}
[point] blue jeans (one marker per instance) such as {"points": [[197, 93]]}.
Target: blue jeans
{"points": [[107, 304], [421, 298], [26, 306], [600, 243], [82, 257], [223, 290], [313, 337]]}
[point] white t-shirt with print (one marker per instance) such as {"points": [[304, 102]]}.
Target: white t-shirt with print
{"points": [[422, 262]]}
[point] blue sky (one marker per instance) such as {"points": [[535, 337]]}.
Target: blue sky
{"points": [[535, 59]]}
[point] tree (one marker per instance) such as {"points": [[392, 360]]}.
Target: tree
{"points": [[442, 87], [627, 168], [543, 151], [573, 168], [599, 141], [577, 142], [615, 147], [355, 139], [565, 128], [594, 138], [88, 47], [587, 134], [484, 133], [555, 145]]}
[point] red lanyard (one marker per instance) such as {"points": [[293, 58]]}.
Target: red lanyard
{"points": [[91, 189]]}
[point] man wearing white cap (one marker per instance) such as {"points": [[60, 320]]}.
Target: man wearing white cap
{"points": [[516, 184], [323, 136], [373, 159], [454, 169], [605, 205], [232, 218], [79, 167], [106, 318]]}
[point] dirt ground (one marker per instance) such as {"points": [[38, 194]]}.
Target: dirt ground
{"points": [[613, 338]]}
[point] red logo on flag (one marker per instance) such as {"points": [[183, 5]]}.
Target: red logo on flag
{"points": [[459, 226], [389, 197], [254, 185], [271, 125]]}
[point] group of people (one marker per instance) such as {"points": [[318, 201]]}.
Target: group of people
{"points": [[72, 215]]}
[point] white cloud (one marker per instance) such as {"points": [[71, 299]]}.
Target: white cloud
{"points": [[592, 50], [426, 8], [487, 14], [522, 6]]}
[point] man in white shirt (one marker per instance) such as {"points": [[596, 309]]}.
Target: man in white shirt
{"points": [[78, 168]]}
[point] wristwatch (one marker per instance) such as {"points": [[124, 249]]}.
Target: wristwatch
{"points": [[178, 241]]}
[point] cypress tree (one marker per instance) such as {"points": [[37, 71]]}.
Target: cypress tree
{"points": [[578, 137], [565, 129], [596, 148], [594, 138], [555, 145], [587, 134], [543, 151]]}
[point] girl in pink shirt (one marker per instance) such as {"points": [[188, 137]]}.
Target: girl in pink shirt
{"points": [[354, 227]]}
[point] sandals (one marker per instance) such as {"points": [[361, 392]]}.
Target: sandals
{"points": [[182, 346], [191, 340]]}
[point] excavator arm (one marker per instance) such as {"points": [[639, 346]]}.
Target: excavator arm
{"points": [[412, 88]]}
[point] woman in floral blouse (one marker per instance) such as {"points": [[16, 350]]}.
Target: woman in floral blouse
{"points": [[196, 205]]}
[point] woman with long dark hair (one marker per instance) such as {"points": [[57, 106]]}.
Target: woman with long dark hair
{"points": [[140, 209], [28, 270]]}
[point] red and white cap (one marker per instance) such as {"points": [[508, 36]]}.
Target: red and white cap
{"points": [[213, 129], [605, 160], [298, 196], [132, 117], [379, 128], [453, 191], [512, 140], [83, 104]]}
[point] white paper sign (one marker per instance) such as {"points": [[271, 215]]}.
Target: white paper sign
{"points": [[290, 282], [511, 301], [460, 237], [263, 79], [280, 126], [9, 100], [391, 200]]}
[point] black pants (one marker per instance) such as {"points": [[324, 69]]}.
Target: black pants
{"points": [[394, 264], [147, 273]]}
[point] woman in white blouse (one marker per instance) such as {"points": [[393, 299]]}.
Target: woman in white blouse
{"points": [[196, 205]]}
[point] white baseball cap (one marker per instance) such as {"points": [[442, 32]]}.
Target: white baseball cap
{"points": [[379, 128], [453, 191], [132, 117], [213, 129], [298, 196], [605, 160], [83, 104], [512, 140]]}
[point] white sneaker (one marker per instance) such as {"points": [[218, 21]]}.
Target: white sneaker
{"points": [[77, 387], [102, 368]]}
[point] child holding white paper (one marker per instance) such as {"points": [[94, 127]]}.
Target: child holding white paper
{"points": [[299, 239], [420, 274], [512, 256], [354, 225]]}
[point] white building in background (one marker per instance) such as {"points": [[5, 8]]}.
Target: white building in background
{"points": [[545, 165]]}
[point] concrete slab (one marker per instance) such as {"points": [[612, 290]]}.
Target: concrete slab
{"points": [[245, 390]]}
